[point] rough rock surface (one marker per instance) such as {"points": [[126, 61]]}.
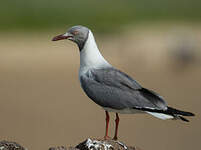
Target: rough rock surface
{"points": [[6, 145], [88, 144], [98, 144]]}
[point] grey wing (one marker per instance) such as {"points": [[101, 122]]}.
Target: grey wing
{"points": [[112, 88]]}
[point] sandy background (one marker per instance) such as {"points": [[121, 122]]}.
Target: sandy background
{"points": [[42, 104]]}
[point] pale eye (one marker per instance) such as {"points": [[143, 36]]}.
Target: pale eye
{"points": [[75, 32]]}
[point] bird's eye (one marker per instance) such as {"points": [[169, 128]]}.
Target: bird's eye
{"points": [[75, 32]]}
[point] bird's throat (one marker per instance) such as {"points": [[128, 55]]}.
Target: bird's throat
{"points": [[90, 56]]}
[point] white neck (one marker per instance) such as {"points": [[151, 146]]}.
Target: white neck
{"points": [[90, 56]]}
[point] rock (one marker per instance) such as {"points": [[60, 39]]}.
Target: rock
{"points": [[6, 145], [98, 144], [88, 144]]}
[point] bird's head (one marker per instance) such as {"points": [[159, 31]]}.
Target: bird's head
{"points": [[77, 34]]}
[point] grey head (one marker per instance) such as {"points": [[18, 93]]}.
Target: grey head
{"points": [[78, 34]]}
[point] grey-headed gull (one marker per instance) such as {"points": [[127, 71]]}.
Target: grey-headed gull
{"points": [[111, 88]]}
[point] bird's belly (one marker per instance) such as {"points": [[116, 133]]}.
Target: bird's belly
{"points": [[123, 111]]}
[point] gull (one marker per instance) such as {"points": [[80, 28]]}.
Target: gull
{"points": [[111, 88]]}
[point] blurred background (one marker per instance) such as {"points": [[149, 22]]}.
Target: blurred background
{"points": [[156, 41]]}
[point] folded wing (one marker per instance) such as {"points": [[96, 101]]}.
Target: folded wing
{"points": [[112, 88]]}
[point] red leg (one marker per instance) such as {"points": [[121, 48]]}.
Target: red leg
{"points": [[107, 124], [116, 127]]}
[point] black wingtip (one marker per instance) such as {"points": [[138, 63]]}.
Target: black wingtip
{"points": [[187, 113], [191, 114], [183, 119], [179, 112]]}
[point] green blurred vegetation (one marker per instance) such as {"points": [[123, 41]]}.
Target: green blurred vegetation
{"points": [[99, 14]]}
